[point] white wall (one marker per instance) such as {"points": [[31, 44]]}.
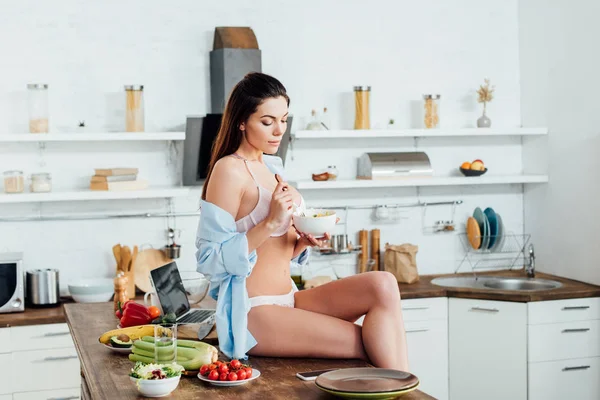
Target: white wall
{"points": [[86, 52], [559, 90]]}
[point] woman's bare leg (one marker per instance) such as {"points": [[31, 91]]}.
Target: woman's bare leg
{"points": [[375, 294], [291, 332]]}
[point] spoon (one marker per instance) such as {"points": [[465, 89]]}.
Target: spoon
{"points": [[294, 206]]}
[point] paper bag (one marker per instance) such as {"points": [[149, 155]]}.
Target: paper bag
{"points": [[401, 260]]}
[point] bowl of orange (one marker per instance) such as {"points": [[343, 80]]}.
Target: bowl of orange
{"points": [[475, 168]]}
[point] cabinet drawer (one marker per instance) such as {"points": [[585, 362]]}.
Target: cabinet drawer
{"points": [[5, 374], [425, 309], [52, 369], [546, 312], [427, 343], [568, 379], [51, 336], [5, 346], [577, 339], [62, 394]]}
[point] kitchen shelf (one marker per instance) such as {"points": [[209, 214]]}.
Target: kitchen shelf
{"points": [[158, 192], [420, 181], [399, 133], [91, 137]]}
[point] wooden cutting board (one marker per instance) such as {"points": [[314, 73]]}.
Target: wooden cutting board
{"points": [[146, 261]]}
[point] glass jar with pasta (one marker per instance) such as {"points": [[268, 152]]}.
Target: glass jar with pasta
{"points": [[431, 111], [134, 113]]}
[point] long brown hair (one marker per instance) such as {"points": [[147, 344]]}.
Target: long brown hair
{"points": [[243, 101]]}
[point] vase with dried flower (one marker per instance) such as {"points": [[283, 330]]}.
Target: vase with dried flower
{"points": [[486, 94]]}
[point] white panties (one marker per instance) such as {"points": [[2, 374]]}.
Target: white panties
{"points": [[284, 300]]}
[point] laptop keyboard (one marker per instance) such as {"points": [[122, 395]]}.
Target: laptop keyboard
{"points": [[196, 316]]}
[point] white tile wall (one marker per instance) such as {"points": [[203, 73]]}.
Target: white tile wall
{"points": [[87, 52]]}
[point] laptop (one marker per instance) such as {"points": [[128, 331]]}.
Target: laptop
{"points": [[172, 297]]}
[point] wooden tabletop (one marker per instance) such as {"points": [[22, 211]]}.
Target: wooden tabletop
{"points": [[105, 373]]}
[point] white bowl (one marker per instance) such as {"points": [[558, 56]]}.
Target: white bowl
{"points": [[156, 387], [316, 226], [92, 290]]}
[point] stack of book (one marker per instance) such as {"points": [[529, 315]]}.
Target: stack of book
{"points": [[117, 179]]}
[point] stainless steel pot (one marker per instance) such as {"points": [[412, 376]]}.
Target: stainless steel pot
{"points": [[42, 287]]}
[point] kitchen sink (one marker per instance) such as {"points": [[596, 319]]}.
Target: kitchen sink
{"points": [[497, 283], [527, 284]]}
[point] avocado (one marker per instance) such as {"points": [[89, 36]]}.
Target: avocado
{"points": [[122, 341]]}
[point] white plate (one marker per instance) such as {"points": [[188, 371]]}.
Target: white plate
{"points": [[255, 374], [124, 350]]}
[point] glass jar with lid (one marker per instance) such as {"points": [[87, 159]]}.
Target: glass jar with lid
{"points": [[14, 182], [134, 112], [332, 172], [37, 97], [361, 107], [41, 182], [431, 111]]}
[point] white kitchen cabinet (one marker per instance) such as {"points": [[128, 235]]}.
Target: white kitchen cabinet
{"points": [[62, 394], [488, 350], [565, 379], [5, 340], [32, 337], [5, 374], [53, 369], [564, 349], [6, 397], [426, 325]]}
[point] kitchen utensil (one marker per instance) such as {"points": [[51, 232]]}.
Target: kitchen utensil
{"points": [[195, 285], [485, 242], [375, 249], [363, 240], [97, 290], [499, 236], [473, 233], [316, 226], [172, 251], [367, 381], [42, 287], [133, 257], [342, 243], [393, 165], [146, 261], [472, 172], [493, 220], [255, 375], [117, 253], [478, 215], [126, 267], [120, 286]]}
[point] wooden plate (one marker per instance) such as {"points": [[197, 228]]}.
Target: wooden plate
{"points": [[473, 233], [146, 261]]}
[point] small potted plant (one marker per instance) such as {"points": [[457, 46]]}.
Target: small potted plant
{"points": [[486, 94]]}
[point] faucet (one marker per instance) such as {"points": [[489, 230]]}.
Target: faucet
{"points": [[530, 268]]}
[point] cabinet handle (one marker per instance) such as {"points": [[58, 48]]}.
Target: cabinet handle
{"points": [[417, 330], [63, 398], [575, 308], [414, 308], [581, 367], [575, 330], [60, 358], [50, 334], [484, 309]]}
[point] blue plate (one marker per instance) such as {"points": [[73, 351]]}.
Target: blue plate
{"points": [[493, 219], [484, 227]]}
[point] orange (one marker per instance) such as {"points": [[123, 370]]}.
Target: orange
{"points": [[466, 165]]}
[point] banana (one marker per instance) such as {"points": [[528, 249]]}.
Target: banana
{"points": [[134, 332]]}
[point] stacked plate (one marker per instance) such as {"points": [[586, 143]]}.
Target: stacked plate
{"points": [[485, 230], [367, 383]]}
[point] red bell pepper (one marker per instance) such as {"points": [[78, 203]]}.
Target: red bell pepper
{"points": [[134, 314]]}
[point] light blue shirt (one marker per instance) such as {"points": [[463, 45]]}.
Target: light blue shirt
{"points": [[223, 257]]}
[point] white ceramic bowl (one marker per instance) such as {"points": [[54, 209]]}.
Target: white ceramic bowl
{"points": [[156, 387], [92, 290], [316, 226], [195, 285]]}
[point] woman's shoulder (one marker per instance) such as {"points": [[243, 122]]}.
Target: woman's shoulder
{"points": [[228, 168]]}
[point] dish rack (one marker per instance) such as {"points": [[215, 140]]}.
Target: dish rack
{"points": [[511, 252]]}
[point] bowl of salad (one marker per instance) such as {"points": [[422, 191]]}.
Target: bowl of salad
{"points": [[314, 221], [155, 380]]}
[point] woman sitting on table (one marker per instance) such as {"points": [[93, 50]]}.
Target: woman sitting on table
{"points": [[246, 242]]}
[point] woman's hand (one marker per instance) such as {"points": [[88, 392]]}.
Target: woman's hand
{"points": [[281, 206], [309, 240]]}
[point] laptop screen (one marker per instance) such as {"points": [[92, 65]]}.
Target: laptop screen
{"points": [[170, 290]]}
